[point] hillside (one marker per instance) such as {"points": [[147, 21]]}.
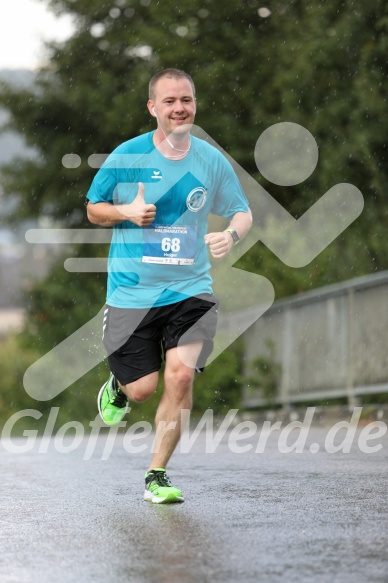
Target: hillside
{"points": [[16, 258], [12, 144]]}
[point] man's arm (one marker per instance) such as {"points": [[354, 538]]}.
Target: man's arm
{"points": [[221, 243], [108, 215]]}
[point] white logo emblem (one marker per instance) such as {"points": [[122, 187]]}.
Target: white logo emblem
{"points": [[196, 199], [157, 175]]}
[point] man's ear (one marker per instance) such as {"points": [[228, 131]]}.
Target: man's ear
{"points": [[151, 107]]}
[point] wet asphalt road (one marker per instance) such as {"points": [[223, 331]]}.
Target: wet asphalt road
{"points": [[248, 517]]}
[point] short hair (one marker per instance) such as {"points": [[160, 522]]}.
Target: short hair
{"points": [[170, 74]]}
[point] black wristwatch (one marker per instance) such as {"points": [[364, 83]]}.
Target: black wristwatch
{"points": [[234, 234]]}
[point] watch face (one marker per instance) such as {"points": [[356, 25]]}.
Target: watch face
{"points": [[235, 236]]}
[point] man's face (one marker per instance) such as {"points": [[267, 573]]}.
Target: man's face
{"points": [[174, 104]]}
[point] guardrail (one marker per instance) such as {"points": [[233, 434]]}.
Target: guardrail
{"points": [[330, 342]]}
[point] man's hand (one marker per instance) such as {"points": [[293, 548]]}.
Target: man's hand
{"points": [[138, 212], [219, 243]]}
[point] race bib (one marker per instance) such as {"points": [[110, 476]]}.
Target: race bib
{"points": [[171, 245]]}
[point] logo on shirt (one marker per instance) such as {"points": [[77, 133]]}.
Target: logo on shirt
{"points": [[156, 175], [196, 199]]}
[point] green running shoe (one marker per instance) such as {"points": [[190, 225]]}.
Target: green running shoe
{"points": [[111, 401], [158, 488]]}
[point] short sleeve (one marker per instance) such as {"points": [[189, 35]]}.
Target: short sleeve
{"points": [[229, 196], [104, 183]]}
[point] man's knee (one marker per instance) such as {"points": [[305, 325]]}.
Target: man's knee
{"points": [[178, 382], [142, 389], [180, 375]]}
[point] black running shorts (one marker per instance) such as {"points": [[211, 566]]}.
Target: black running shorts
{"points": [[136, 339]]}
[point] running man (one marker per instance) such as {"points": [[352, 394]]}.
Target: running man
{"points": [[157, 191]]}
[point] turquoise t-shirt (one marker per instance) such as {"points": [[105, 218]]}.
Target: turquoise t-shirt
{"points": [[167, 261]]}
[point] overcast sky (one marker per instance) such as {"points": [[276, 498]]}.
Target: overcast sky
{"points": [[23, 25]]}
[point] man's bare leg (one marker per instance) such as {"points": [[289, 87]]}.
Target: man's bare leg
{"points": [[177, 396]]}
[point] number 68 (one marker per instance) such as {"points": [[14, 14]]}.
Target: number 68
{"points": [[173, 245]]}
